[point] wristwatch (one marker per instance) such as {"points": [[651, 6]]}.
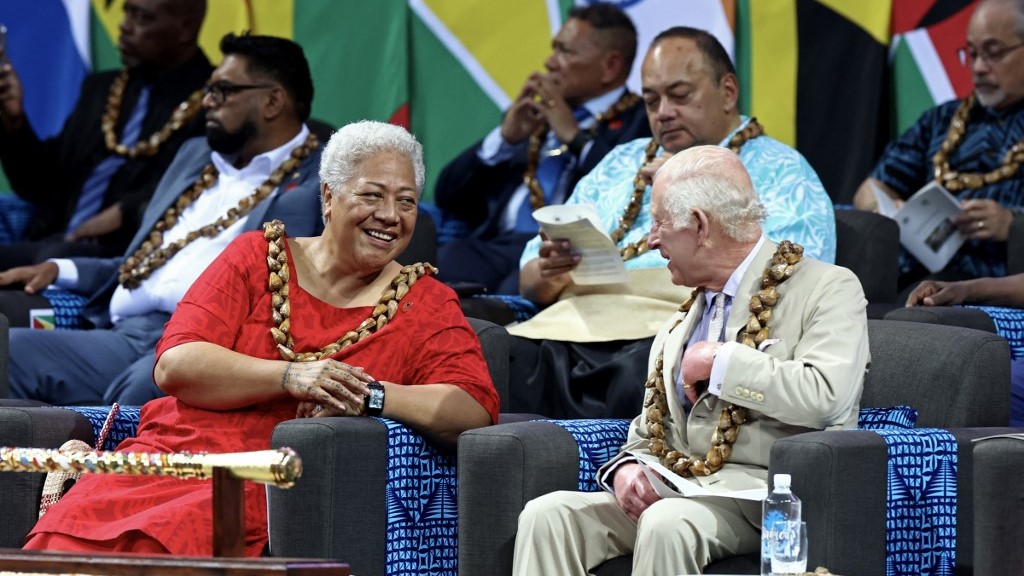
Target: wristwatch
{"points": [[374, 402]]}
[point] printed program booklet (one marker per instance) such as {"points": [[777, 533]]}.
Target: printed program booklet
{"points": [[926, 224], [601, 262]]}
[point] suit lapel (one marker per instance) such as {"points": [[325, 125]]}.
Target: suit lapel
{"points": [[677, 339], [749, 285]]}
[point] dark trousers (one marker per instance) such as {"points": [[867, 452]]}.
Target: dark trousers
{"points": [[29, 253], [578, 380]]}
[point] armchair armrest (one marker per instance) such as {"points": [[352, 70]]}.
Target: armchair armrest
{"points": [[843, 479], [501, 468], [32, 427], [946, 315], [338, 507], [998, 500]]}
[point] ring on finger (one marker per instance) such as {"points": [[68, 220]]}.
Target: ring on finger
{"points": [[981, 224]]}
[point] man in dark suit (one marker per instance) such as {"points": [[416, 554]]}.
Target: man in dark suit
{"points": [[561, 124], [90, 183], [258, 162]]}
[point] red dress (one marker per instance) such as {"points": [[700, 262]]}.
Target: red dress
{"points": [[427, 341]]}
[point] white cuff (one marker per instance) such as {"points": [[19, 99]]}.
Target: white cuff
{"points": [[494, 150], [602, 481], [719, 366], [67, 273]]}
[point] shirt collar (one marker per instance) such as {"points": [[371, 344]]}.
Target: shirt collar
{"points": [[263, 163], [744, 120], [733, 283], [603, 102]]}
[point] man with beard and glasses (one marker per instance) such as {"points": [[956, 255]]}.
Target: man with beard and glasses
{"points": [[259, 162], [89, 184], [973, 147]]}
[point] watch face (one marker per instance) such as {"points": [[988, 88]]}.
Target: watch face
{"points": [[376, 399]]}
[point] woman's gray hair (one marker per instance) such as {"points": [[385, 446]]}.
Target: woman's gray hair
{"points": [[354, 143], [713, 179]]}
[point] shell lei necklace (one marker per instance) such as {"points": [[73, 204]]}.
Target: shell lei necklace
{"points": [[957, 181], [181, 116], [627, 100], [780, 268], [752, 130], [383, 312], [151, 255]]}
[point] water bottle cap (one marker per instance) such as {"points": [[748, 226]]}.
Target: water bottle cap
{"points": [[783, 480]]}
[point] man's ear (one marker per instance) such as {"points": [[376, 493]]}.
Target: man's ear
{"points": [[274, 103], [729, 85], [703, 224], [614, 68]]}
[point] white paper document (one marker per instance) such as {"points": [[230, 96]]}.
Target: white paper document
{"points": [[926, 224], [600, 261], [687, 489]]}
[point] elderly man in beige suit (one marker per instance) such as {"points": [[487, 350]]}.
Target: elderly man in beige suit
{"points": [[793, 359]]}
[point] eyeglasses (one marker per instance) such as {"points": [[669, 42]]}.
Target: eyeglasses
{"points": [[221, 91], [969, 54]]}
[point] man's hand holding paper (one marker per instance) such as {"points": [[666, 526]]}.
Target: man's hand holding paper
{"points": [[578, 246]]}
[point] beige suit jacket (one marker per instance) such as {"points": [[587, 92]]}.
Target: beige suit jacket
{"points": [[810, 379]]}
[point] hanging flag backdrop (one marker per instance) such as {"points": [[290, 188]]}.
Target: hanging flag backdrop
{"points": [[835, 78]]}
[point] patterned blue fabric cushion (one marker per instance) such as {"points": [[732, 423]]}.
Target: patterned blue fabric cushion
{"points": [[1009, 324], [66, 307], [920, 523], [897, 417], [598, 441], [422, 523], [125, 423], [14, 216]]}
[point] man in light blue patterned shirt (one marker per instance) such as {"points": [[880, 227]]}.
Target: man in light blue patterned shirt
{"points": [[690, 90]]}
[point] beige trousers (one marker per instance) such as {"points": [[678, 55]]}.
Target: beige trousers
{"points": [[569, 533]]}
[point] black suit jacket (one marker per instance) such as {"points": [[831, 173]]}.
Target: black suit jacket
{"points": [[50, 173], [477, 193]]}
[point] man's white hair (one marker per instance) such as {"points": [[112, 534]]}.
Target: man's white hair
{"points": [[713, 179], [351, 144]]}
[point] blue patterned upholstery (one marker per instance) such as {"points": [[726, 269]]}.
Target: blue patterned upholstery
{"points": [[598, 442], [921, 502], [898, 417], [448, 227], [66, 307], [1009, 324], [125, 423], [15, 214], [422, 523]]}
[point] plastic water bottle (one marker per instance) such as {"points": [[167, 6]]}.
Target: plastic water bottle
{"points": [[780, 506]]}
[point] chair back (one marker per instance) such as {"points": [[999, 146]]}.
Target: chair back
{"points": [[953, 376], [494, 342], [868, 244], [423, 246]]}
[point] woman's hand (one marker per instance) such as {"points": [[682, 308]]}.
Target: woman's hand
{"points": [[326, 387]]}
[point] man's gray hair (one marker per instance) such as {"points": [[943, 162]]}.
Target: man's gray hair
{"points": [[356, 142], [713, 179]]}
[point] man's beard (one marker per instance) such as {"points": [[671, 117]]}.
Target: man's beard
{"points": [[220, 140]]}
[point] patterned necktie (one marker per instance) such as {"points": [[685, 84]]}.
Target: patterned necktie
{"points": [[717, 318], [95, 186], [550, 170]]}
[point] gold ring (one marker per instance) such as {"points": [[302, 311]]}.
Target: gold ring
{"points": [[687, 386], [981, 224]]}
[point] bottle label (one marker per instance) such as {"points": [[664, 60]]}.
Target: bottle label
{"points": [[774, 523]]}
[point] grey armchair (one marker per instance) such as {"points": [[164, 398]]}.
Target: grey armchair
{"points": [[340, 507], [868, 244], [998, 503], [954, 377]]}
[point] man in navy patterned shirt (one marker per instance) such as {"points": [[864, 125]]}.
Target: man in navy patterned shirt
{"points": [[979, 164]]}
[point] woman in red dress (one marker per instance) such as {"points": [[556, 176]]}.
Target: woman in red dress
{"points": [[282, 327]]}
